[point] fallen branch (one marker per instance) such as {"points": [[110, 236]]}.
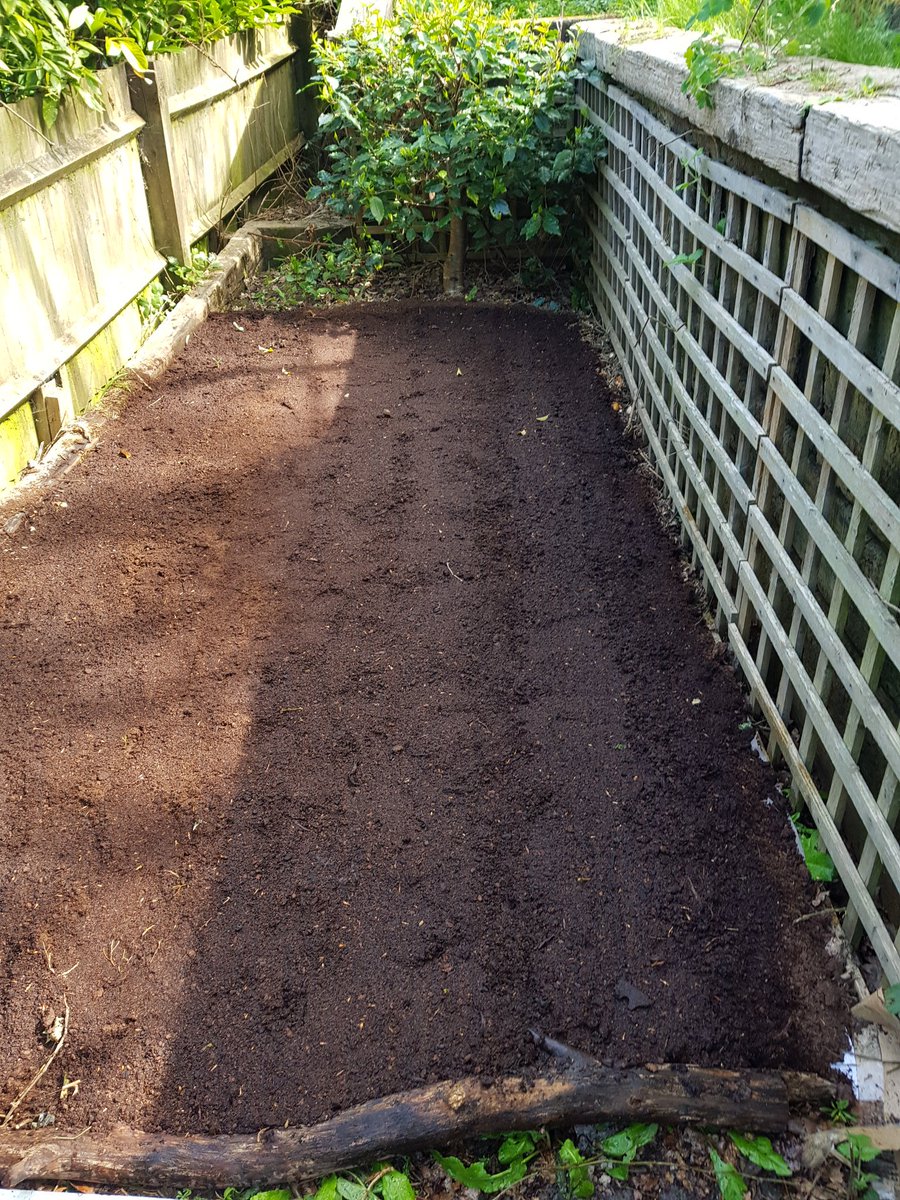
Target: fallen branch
{"points": [[423, 1119]]}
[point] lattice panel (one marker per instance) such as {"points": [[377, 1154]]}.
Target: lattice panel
{"points": [[761, 343]]}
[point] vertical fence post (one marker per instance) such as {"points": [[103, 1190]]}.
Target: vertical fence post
{"points": [[166, 214], [307, 105]]}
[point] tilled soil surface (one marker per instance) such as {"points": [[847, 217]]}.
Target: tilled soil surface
{"points": [[355, 718]]}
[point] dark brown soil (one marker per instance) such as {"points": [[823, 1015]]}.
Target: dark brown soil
{"points": [[355, 720]]}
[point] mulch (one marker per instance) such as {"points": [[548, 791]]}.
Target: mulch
{"points": [[356, 718]]}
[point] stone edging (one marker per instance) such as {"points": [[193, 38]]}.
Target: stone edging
{"points": [[849, 149]]}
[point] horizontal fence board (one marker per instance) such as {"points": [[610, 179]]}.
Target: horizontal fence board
{"points": [[853, 252], [765, 379], [91, 207]]}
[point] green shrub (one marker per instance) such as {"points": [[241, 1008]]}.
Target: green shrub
{"points": [[450, 121], [48, 47]]}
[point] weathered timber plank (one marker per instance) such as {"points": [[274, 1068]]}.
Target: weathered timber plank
{"points": [[852, 152], [428, 1117]]}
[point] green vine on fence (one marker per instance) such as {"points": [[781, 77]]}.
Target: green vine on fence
{"points": [[49, 48]]}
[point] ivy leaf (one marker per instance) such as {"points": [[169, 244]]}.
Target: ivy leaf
{"points": [[479, 1177], [376, 208], [758, 1150], [730, 1181]]}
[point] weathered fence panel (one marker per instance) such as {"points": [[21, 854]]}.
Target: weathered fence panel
{"points": [[233, 120], [91, 208], [761, 342], [65, 278]]}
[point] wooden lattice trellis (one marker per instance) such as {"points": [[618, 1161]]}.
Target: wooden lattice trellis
{"points": [[761, 342]]}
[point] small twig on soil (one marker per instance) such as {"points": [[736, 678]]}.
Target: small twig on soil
{"points": [[454, 574], [821, 912], [26, 1091], [561, 1050]]}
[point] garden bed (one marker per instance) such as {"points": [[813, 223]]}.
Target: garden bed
{"points": [[357, 719]]}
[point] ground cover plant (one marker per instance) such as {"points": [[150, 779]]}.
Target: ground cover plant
{"points": [[51, 47], [453, 126], [600, 1160]]}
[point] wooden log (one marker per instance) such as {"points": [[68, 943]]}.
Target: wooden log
{"points": [[423, 1119]]}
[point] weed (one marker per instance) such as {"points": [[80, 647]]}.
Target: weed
{"points": [[620, 1149], [759, 1151], [161, 295], [818, 861], [729, 1179], [838, 1112], [575, 1178], [384, 1183], [331, 271], [855, 1152], [513, 1156]]}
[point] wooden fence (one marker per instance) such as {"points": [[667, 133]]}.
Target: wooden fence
{"points": [[761, 343], [91, 208]]}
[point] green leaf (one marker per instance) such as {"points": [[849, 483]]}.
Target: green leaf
{"points": [[349, 1189], [50, 109], [479, 1177], [376, 208], [708, 10], [629, 1141], [550, 223], [858, 1147], [758, 1150], [499, 208], [516, 1145], [730, 1181], [892, 999], [275, 1194], [396, 1186], [80, 15], [128, 49], [579, 1183], [689, 259], [532, 225], [818, 862]]}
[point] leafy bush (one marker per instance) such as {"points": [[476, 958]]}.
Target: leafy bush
{"points": [[50, 46], [450, 121]]}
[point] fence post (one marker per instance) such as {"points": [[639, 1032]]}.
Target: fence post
{"points": [[307, 105], [166, 217]]}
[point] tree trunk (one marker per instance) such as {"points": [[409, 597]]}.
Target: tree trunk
{"points": [[424, 1119], [455, 262]]}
